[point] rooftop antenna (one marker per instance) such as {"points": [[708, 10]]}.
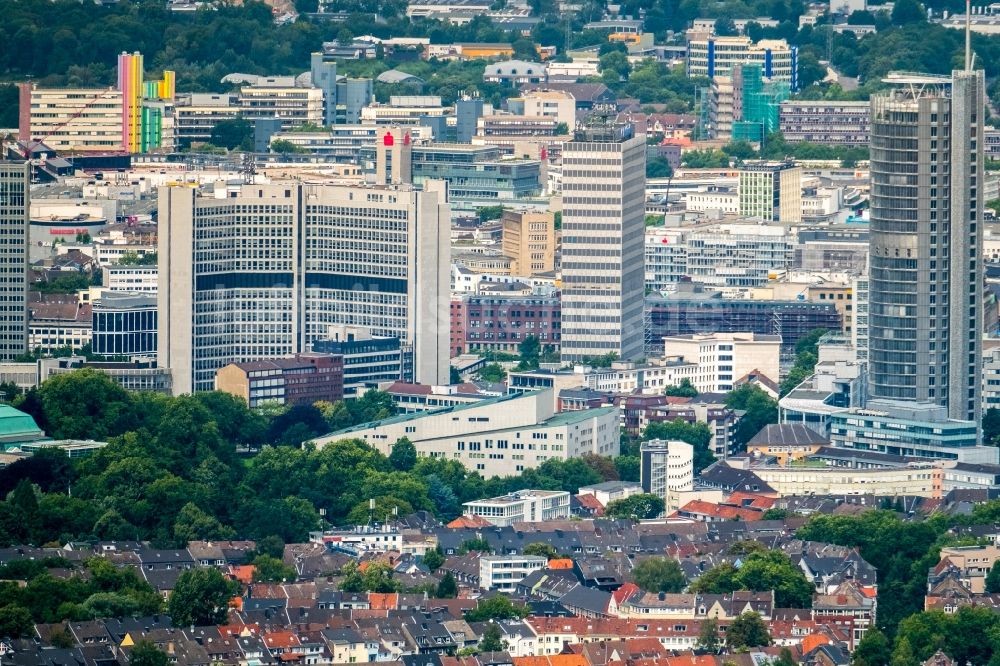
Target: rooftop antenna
{"points": [[968, 35]]}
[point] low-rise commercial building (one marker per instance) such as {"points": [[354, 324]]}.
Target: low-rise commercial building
{"points": [[496, 437], [909, 429], [525, 506], [124, 325], [827, 123], [301, 379]]}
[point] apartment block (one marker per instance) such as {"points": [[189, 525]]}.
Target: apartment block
{"points": [[279, 97], [80, 119], [666, 470], [710, 55], [300, 379], [503, 572], [722, 358], [827, 123], [529, 239]]}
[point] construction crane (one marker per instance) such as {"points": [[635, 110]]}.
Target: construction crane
{"points": [[31, 144]]}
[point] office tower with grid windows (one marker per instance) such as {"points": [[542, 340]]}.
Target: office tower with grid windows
{"points": [[603, 243], [263, 271], [925, 309], [15, 179]]}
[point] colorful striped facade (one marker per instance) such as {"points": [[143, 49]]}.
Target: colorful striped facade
{"points": [[141, 122]]}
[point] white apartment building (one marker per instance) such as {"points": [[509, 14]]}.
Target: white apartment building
{"points": [[279, 97], [603, 228], [916, 479], [609, 491], [197, 114], [79, 119], [143, 279], [667, 470], [403, 110], [991, 373], [722, 358], [504, 572], [260, 271], [496, 437], [111, 246], [649, 378], [713, 198], [709, 55], [525, 506], [556, 104], [720, 255]]}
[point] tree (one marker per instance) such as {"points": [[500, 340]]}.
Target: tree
{"points": [[284, 147], [683, 390], [747, 631], [434, 558], [902, 654], [659, 574], [193, 524], [725, 27], [84, 404], [404, 455], [635, 507], [200, 597], [492, 372], [479, 544], [698, 435], [492, 639], [371, 577], [993, 579], [760, 570], [785, 658], [530, 349], [658, 167], [498, 607], [15, 621], [991, 427], [447, 588], [908, 11], [145, 653], [873, 650], [231, 134], [269, 569], [540, 549], [760, 409], [454, 376], [708, 636]]}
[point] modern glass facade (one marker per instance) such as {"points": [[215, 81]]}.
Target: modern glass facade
{"points": [[925, 282]]}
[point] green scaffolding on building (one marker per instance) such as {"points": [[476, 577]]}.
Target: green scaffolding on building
{"points": [[762, 100]]}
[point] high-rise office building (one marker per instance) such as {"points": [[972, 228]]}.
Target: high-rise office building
{"points": [[603, 243], [771, 191], [15, 179], [263, 271], [925, 308], [666, 469]]}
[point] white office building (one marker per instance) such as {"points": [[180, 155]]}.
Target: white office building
{"points": [[262, 271], [722, 358], [525, 506], [504, 572], [603, 231], [667, 470], [495, 437]]}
